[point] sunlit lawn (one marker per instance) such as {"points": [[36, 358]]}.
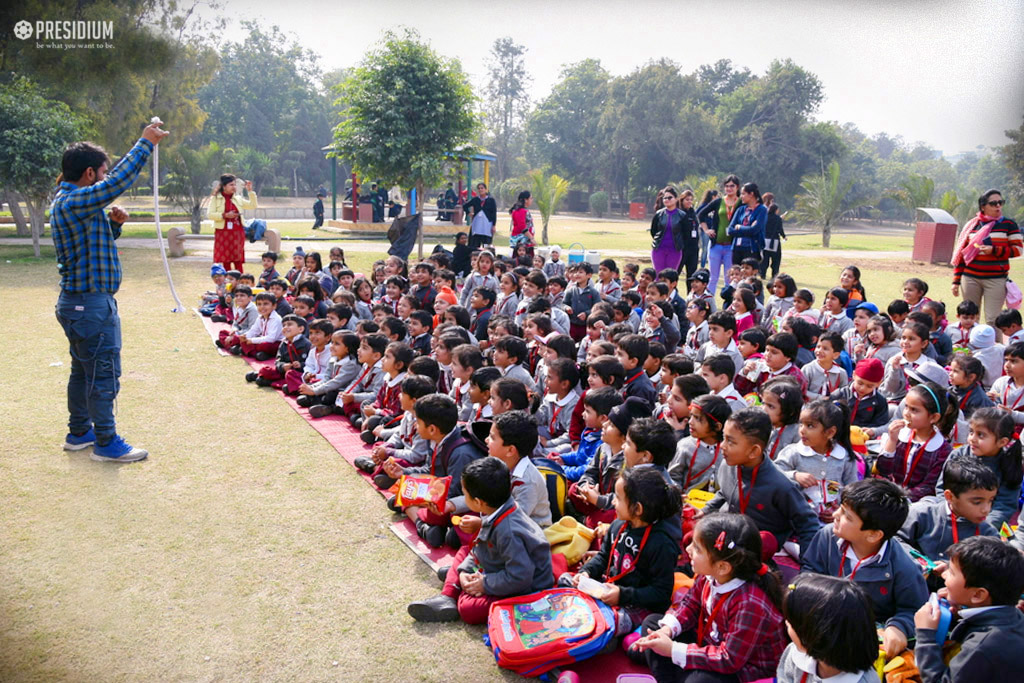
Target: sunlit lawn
{"points": [[245, 548]]}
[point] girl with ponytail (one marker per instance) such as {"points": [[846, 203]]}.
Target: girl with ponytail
{"points": [[729, 626], [915, 448]]}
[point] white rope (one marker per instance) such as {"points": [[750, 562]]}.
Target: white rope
{"points": [[179, 307]]}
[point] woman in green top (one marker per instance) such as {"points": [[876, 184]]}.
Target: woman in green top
{"points": [[720, 211]]}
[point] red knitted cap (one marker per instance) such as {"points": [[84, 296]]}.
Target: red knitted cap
{"points": [[870, 369]]}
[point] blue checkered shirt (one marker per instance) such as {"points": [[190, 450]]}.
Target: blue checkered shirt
{"points": [[83, 236]]}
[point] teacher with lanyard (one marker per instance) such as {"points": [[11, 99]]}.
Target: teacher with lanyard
{"points": [[981, 261], [90, 275], [747, 226], [719, 213]]}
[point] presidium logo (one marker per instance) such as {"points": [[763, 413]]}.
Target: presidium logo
{"points": [[65, 30]]}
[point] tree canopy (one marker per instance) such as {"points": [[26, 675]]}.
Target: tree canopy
{"points": [[33, 135], [403, 110]]}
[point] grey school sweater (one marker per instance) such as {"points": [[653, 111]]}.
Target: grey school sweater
{"points": [[838, 465], [774, 503], [929, 528], [694, 463]]}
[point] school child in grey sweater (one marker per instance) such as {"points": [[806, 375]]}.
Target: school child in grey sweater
{"points": [[935, 523]]}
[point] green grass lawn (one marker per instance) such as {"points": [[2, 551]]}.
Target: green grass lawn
{"points": [[245, 548]]}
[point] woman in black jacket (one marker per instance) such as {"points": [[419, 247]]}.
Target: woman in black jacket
{"points": [[773, 236], [674, 230]]}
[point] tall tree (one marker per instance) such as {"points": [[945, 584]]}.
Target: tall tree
{"points": [[402, 110], [1013, 156], [764, 121], [33, 134], [505, 103], [190, 172], [159, 58], [916, 191], [562, 131], [823, 202], [652, 129]]}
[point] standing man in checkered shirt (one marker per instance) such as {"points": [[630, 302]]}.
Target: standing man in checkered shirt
{"points": [[90, 275]]}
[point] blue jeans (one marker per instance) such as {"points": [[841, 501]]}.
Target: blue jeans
{"points": [[720, 257], [705, 246], [93, 329]]}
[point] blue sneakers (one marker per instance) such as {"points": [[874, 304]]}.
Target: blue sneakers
{"points": [[118, 450], [77, 443]]}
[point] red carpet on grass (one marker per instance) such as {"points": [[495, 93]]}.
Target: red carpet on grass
{"points": [[337, 431]]}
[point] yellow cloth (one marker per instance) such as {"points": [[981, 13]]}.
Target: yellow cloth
{"points": [[216, 208], [570, 539]]}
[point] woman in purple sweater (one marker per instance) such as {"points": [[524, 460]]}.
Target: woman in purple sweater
{"points": [[674, 240]]}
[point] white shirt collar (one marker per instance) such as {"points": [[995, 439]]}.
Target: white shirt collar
{"points": [[809, 664], [837, 452], [836, 316], [520, 471], [560, 402], [974, 611], [780, 371], [933, 443], [397, 379], [851, 555], [727, 587], [729, 392]]}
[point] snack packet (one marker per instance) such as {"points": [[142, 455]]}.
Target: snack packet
{"points": [[423, 489]]}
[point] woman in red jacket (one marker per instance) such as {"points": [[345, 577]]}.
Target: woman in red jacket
{"points": [[981, 262], [522, 224]]}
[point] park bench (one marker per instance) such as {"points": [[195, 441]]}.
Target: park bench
{"points": [[176, 240]]}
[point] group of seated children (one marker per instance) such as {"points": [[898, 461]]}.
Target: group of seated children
{"points": [[877, 454]]}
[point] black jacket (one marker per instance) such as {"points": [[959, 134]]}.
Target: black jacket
{"points": [[649, 584], [684, 228], [290, 352], [990, 648], [872, 412], [708, 214], [460, 259], [773, 227], [488, 206]]}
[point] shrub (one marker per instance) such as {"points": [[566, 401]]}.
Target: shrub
{"points": [[599, 203]]}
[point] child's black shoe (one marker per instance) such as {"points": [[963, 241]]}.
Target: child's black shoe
{"points": [[262, 355], [251, 376], [431, 534], [262, 382], [218, 318], [383, 481], [305, 401], [356, 421], [365, 464], [395, 507], [437, 608], [442, 573], [368, 437], [451, 538], [320, 410], [236, 350]]}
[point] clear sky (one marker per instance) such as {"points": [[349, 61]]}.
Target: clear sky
{"points": [[947, 72]]}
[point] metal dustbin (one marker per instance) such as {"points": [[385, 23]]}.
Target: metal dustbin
{"points": [[935, 236]]}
